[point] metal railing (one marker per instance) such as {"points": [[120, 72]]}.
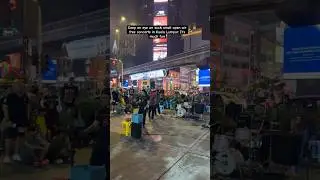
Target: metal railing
{"points": [[64, 24], [185, 58], [75, 20]]}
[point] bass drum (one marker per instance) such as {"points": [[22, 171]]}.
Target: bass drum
{"points": [[181, 112], [226, 162]]}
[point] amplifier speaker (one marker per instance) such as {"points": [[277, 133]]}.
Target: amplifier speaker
{"points": [[136, 130]]}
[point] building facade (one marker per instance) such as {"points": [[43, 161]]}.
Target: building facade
{"points": [[236, 53]]}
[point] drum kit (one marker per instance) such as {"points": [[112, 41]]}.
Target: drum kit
{"points": [[236, 154], [181, 111]]}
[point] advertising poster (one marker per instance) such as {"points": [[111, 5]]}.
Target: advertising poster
{"points": [[160, 21], [51, 73], [11, 66], [160, 9], [4, 69], [125, 83], [159, 52], [204, 77], [301, 55], [160, 41]]}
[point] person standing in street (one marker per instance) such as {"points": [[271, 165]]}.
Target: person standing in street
{"points": [[16, 111], [158, 102], [153, 104], [143, 105]]}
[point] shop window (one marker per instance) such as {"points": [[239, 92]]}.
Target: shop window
{"points": [[234, 65], [245, 65]]}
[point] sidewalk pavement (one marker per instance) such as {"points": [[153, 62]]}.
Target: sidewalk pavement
{"points": [[172, 149]]}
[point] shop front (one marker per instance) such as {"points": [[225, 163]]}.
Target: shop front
{"points": [[151, 79], [10, 67], [171, 82]]}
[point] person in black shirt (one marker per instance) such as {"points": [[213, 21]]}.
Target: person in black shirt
{"points": [[16, 115], [69, 94], [143, 105], [115, 99], [99, 150]]}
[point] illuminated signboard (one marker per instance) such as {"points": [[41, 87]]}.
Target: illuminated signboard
{"points": [[159, 52], [160, 18], [160, 21], [51, 73], [161, 13], [160, 40], [160, 1], [148, 75], [203, 77]]}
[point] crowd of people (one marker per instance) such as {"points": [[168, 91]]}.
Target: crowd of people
{"points": [[148, 100], [31, 129]]}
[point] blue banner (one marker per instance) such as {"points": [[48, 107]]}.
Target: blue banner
{"points": [[302, 50], [204, 77], [125, 83], [51, 73]]}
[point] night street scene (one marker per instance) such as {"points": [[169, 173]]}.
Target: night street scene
{"points": [[268, 52], [236, 98], [53, 65], [160, 106]]}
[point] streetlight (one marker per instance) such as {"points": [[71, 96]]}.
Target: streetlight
{"points": [[117, 31], [123, 19]]}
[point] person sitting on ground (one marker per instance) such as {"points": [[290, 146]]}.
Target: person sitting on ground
{"points": [[34, 149], [60, 148], [49, 104]]}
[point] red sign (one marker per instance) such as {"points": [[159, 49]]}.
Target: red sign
{"points": [[160, 40], [160, 21]]}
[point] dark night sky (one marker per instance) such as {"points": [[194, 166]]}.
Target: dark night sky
{"points": [[53, 10], [135, 13]]}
